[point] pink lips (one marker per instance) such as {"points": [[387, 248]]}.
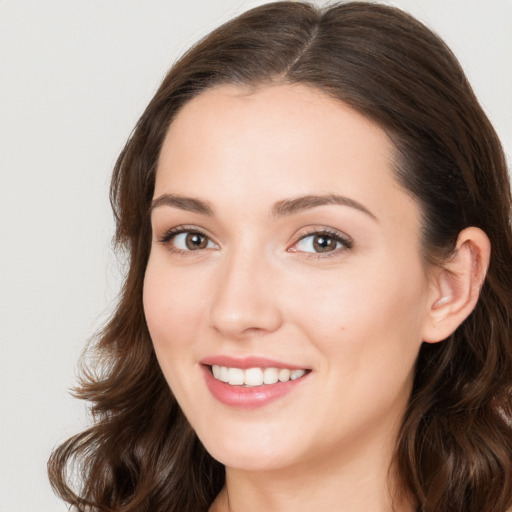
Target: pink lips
{"points": [[248, 397], [247, 362]]}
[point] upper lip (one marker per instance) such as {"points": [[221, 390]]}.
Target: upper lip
{"points": [[248, 362]]}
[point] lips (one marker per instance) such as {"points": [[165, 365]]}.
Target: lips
{"points": [[250, 382]]}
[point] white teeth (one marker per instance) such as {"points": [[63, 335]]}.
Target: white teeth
{"points": [[284, 374], [297, 374], [270, 375], [223, 374], [254, 376], [236, 376]]}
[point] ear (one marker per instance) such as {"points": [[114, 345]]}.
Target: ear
{"points": [[455, 286]]}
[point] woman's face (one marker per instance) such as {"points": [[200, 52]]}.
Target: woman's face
{"points": [[284, 248]]}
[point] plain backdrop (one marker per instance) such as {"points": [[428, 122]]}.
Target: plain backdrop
{"points": [[74, 77]]}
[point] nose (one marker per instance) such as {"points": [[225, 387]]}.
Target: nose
{"points": [[245, 302]]}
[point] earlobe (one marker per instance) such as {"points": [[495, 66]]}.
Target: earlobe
{"points": [[456, 285]]}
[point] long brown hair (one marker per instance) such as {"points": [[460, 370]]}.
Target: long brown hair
{"points": [[454, 451]]}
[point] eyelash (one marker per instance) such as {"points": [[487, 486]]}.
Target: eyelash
{"points": [[172, 233], [345, 242], [336, 236]]}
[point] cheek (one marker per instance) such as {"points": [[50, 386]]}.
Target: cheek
{"points": [[372, 311], [172, 307]]}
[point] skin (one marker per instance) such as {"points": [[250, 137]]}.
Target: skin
{"points": [[355, 316]]}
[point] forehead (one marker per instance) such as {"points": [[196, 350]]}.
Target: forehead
{"points": [[273, 142], [281, 121], [294, 110]]}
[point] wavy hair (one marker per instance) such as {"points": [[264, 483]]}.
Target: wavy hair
{"points": [[454, 450]]}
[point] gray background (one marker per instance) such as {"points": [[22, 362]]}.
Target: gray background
{"points": [[74, 77]]}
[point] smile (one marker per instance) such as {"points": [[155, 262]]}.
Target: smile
{"points": [[252, 377]]}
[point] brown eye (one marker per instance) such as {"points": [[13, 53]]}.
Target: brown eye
{"points": [[324, 243], [187, 241], [195, 241]]}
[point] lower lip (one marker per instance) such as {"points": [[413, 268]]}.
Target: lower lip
{"points": [[248, 397]]}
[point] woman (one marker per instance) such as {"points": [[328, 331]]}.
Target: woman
{"points": [[317, 310]]}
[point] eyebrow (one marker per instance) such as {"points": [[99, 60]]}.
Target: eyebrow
{"points": [[290, 206], [183, 203], [281, 208]]}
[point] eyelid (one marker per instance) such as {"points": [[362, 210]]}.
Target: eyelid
{"points": [[173, 232], [337, 235]]}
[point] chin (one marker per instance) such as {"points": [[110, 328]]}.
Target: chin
{"points": [[250, 461], [249, 454]]}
